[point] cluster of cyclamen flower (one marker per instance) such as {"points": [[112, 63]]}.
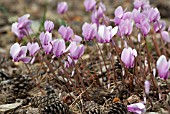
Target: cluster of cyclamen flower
{"points": [[57, 47], [142, 17]]}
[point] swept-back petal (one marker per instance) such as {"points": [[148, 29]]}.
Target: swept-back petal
{"points": [[14, 50], [119, 12], [165, 36], [114, 31]]}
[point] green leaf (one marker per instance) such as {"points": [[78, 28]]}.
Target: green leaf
{"points": [[61, 22], [43, 18]]}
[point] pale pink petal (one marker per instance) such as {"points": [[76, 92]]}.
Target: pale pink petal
{"points": [[165, 36], [125, 57], [162, 67], [72, 47], [23, 51], [25, 59], [134, 52], [77, 39], [119, 12], [14, 50], [147, 86], [32, 60], [15, 29], [114, 31]]}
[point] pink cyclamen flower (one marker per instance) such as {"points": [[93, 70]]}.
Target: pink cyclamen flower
{"points": [[89, 4], [144, 27], [165, 36], [163, 67], [76, 39], [48, 48], [45, 38], [33, 48], [125, 27], [76, 51], [23, 27], [18, 53], [159, 26], [137, 108], [62, 7], [23, 21], [138, 4], [127, 15], [154, 15], [66, 33], [118, 15], [128, 57], [98, 14], [138, 17], [105, 34], [89, 31], [59, 47], [147, 86], [49, 26]]}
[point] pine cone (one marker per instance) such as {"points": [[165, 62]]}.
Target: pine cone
{"points": [[21, 85], [3, 76], [116, 108], [56, 108], [9, 99], [49, 90], [91, 107], [42, 101]]}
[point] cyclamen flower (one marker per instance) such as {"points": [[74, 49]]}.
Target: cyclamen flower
{"points": [[118, 15], [76, 39], [144, 27], [89, 31], [48, 48], [165, 36], [138, 17], [45, 38], [89, 4], [127, 15], [105, 34], [76, 51], [46, 41], [23, 21], [22, 27], [138, 4], [159, 26], [147, 86], [18, 53], [98, 14], [163, 67], [125, 27], [137, 108], [66, 33], [33, 48], [59, 47], [62, 7], [49, 26], [128, 57], [154, 15]]}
